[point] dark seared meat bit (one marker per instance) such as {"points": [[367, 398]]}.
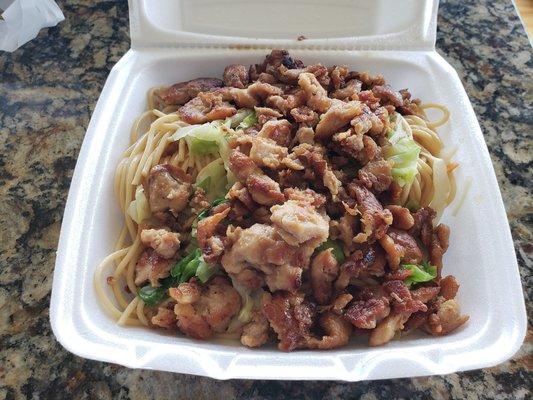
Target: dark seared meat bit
{"points": [[291, 317], [181, 93], [236, 76]]}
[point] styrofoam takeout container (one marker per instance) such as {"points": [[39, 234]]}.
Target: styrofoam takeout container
{"points": [[175, 41]]}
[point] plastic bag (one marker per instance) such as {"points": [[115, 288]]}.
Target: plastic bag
{"points": [[23, 19]]}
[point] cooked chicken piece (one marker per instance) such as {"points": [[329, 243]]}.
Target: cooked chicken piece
{"points": [[425, 294], [401, 217], [375, 220], [369, 81], [387, 95], [337, 333], [332, 183], [291, 75], [337, 75], [169, 188], [297, 223], [449, 287], [211, 312], [207, 106], [341, 301], [151, 267], [263, 189], [209, 242], [307, 196], [164, 243], [239, 192], [324, 270], [182, 92], [349, 91], [447, 318], [164, 318], [287, 102], [262, 248], [279, 131], [305, 135], [401, 298], [436, 239], [349, 142], [365, 314], [186, 293], [317, 97], [377, 175], [336, 117], [265, 114], [266, 153], [291, 317], [366, 262], [236, 76], [305, 115], [255, 333], [261, 90], [387, 328], [400, 247]]}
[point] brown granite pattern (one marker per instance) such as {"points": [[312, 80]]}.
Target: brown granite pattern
{"points": [[47, 92]]}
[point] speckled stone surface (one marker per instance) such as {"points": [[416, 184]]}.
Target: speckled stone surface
{"points": [[48, 90]]}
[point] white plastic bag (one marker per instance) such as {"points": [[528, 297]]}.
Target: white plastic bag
{"points": [[23, 19]]}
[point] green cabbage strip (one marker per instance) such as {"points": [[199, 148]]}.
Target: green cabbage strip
{"points": [[420, 273], [191, 265], [248, 121], [209, 138], [236, 120], [213, 179], [139, 209], [403, 151]]}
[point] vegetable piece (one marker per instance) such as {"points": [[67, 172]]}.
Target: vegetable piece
{"points": [[200, 146], [139, 209], [208, 138], [152, 295], [420, 273], [204, 183], [403, 152], [212, 178], [190, 269], [336, 250], [204, 272], [249, 121], [179, 267], [245, 315], [235, 120]]}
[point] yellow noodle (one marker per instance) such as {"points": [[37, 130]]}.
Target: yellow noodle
{"points": [[127, 312]]}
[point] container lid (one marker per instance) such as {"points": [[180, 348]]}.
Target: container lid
{"points": [[306, 24]]}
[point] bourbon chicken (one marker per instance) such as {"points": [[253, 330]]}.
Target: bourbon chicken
{"points": [[307, 242]]}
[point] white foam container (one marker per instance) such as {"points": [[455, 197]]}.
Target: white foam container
{"points": [[174, 41]]}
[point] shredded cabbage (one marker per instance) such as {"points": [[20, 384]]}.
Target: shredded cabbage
{"points": [[213, 179], [249, 121], [420, 273], [204, 272], [237, 119], [208, 138], [403, 152], [139, 209]]}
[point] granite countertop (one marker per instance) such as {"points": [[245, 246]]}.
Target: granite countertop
{"points": [[48, 90]]}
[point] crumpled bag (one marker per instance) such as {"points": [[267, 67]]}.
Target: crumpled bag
{"points": [[23, 19]]}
